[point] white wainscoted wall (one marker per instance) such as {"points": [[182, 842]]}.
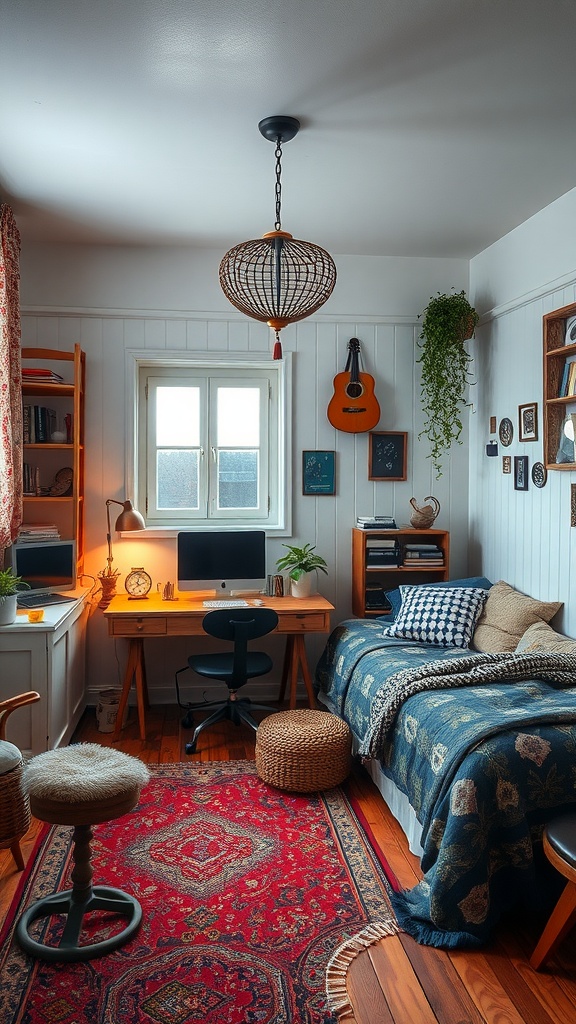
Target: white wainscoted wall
{"points": [[523, 537], [113, 301]]}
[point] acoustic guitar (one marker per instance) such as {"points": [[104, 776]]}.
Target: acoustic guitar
{"points": [[353, 406]]}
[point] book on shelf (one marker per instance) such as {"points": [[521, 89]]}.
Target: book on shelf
{"points": [[376, 523], [38, 424], [34, 531], [564, 381], [421, 547], [41, 375], [380, 542]]}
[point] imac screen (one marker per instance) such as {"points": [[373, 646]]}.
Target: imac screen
{"points": [[222, 560]]}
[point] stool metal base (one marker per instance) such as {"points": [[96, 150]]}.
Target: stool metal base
{"points": [[100, 897]]}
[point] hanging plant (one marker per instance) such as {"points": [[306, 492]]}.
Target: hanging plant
{"points": [[447, 322]]}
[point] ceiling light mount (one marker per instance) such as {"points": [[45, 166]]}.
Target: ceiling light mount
{"points": [[279, 128], [277, 279]]}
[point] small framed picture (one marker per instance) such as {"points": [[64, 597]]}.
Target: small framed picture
{"points": [[506, 463], [520, 472], [387, 455], [492, 424], [318, 472], [528, 422]]}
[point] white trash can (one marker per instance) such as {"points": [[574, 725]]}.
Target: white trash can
{"points": [[107, 710]]}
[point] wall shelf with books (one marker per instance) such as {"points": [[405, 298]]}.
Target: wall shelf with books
{"points": [[53, 442], [559, 349], [383, 559]]}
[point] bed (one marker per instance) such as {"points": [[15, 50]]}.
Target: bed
{"points": [[472, 744]]}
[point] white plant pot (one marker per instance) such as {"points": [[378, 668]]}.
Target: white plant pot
{"points": [[8, 608], [305, 586]]}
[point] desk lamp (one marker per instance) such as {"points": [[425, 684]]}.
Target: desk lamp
{"points": [[129, 519]]}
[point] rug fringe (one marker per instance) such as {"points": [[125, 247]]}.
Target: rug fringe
{"points": [[340, 961]]}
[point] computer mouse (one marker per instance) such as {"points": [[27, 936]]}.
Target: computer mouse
{"points": [[258, 601]]}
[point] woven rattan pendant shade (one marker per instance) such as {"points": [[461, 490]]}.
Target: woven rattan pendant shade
{"points": [[277, 279]]}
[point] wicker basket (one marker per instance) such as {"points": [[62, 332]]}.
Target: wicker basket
{"points": [[303, 750], [14, 807]]}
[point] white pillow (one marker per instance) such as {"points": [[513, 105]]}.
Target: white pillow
{"points": [[438, 615]]}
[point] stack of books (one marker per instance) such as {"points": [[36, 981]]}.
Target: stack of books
{"points": [[568, 382], [38, 424], [38, 375], [425, 554], [376, 523], [382, 553], [30, 533]]}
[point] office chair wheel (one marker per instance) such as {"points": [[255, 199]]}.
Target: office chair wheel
{"points": [[190, 748], [188, 720]]}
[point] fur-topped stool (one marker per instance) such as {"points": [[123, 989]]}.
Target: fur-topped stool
{"points": [[303, 750], [82, 785]]}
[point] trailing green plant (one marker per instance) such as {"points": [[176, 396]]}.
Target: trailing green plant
{"points": [[10, 584], [299, 561], [447, 322]]}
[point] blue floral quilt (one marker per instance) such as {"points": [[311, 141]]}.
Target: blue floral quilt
{"points": [[484, 766]]}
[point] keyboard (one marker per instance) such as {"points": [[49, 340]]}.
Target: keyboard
{"points": [[40, 600], [225, 604]]}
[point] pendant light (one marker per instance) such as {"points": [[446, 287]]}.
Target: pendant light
{"points": [[277, 279]]}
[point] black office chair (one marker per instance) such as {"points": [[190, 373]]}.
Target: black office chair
{"points": [[236, 667]]}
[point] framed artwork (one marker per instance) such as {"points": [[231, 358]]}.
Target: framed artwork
{"points": [[539, 474], [521, 472], [387, 455], [492, 424], [528, 422], [506, 431], [318, 472], [506, 463]]}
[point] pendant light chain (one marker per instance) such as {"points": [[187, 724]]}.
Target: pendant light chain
{"points": [[277, 279], [278, 189]]}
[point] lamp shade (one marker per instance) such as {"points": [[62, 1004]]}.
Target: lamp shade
{"points": [[129, 519], [277, 279]]}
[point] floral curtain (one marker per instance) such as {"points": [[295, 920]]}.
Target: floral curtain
{"points": [[10, 380]]}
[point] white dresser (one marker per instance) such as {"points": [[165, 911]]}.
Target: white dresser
{"points": [[48, 657]]}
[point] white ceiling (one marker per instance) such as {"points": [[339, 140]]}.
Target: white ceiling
{"points": [[429, 127]]}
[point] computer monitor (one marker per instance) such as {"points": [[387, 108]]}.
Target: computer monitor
{"points": [[47, 567], [223, 560]]}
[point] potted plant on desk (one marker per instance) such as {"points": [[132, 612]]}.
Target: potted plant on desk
{"points": [[10, 586], [302, 566]]}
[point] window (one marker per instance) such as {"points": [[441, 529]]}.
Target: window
{"points": [[210, 443]]}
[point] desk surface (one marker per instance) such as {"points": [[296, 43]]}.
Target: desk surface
{"points": [[191, 604]]}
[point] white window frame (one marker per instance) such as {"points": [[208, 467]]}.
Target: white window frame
{"points": [[276, 516]]}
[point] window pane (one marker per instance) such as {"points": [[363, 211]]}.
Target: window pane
{"points": [[238, 416], [237, 479], [178, 416], [177, 479]]}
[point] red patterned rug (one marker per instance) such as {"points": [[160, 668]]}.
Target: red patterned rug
{"points": [[249, 895]]}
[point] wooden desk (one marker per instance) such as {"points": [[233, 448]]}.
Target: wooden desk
{"points": [[155, 618]]}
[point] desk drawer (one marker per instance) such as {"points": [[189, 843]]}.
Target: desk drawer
{"points": [[303, 622], [138, 626]]}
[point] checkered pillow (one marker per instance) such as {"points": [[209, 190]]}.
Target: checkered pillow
{"points": [[437, 615]]}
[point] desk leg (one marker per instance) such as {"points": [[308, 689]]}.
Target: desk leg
{"points": [[135, 668], [294, 659]]}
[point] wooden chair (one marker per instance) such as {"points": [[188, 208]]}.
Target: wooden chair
{"points": [[14, 804], [559, 842]]}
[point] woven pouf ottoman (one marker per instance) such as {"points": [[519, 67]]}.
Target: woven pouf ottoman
{"points": [[303, 750], [82, 785]]}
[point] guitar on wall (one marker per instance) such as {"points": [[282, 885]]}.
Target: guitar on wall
{"points": [[353, 406]]}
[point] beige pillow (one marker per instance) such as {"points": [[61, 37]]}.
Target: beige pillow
{"points": [[541, 637], [506, 617]]}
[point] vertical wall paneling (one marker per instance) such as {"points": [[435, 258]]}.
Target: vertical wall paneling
{"points": [[320, 350]]}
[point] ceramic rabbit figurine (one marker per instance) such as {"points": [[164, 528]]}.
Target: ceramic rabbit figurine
{"points": [[423, 517]]}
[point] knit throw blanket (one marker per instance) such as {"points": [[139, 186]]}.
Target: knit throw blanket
{"points": [[557, 669]]}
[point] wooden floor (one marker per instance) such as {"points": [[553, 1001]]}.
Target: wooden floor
{"points": [[396, 981]]}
